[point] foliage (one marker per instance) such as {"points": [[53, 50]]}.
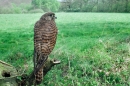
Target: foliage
{"points": [[46, 5], [67, 6], [5, 10], [93, 48], [96, 6], [16, 9], [36, 11]]}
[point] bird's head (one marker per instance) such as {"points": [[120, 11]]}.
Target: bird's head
{"points": [[48, 16]]}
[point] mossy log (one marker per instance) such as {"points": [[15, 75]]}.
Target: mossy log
{"points": [[8, 74], [47, 67]]}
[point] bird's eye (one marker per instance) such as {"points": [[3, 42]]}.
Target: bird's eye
{"points": [[50, 15]]}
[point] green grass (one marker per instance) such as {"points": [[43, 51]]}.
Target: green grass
{"points": [[94, 48]]}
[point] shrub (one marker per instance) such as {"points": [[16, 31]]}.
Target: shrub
{"points": [[5, 10], [36, 11], [16, 10], [22, 8]]}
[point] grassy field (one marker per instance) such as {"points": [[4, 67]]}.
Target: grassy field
{"points": [[94, 48]]}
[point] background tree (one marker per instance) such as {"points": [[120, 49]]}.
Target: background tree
{"points": [[126, 5], [96, 5], [33, 6], [46, 5]]}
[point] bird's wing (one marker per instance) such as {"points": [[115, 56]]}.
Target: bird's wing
{"points": [[40, 46]]}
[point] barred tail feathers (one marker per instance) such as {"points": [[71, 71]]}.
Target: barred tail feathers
{"points": [[39, 76]]}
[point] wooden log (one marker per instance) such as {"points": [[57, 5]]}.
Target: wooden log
{"points": [[8, 74], [47, 67]]}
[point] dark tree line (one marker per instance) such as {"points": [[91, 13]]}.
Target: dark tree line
{"points": [[95, 5], [34, 6]]}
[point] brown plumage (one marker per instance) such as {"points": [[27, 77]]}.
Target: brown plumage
{"points": [[45, 34]]}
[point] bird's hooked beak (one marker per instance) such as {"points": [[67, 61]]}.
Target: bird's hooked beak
{"points": [[55, 17]]}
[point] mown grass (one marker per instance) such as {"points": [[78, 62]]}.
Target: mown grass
{"points": [[94, 48]]}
